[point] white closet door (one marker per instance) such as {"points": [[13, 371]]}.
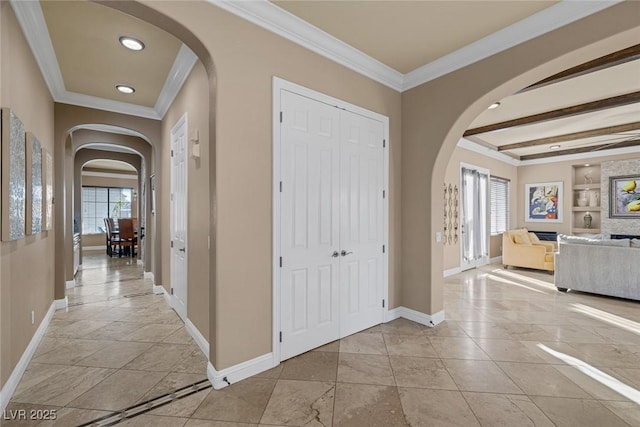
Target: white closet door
{"points": [[361, 222], [310, 229]]}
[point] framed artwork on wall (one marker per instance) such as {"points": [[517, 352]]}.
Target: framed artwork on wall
{"points": [[13, 177], [34, 184], [624, 196], [47, 199], [543, 202]]}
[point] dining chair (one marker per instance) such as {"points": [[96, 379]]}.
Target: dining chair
{"points": [[113, 239], [126, 235]]}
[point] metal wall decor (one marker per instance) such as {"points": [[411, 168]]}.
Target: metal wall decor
{"points": [[450, 214], [13, 177]]}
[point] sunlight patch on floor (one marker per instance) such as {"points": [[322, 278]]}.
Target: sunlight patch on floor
{"points": [[511, 282], [530, 280], [596, 374], [606, 317]]}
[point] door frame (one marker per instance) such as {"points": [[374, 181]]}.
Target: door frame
{"points": [[173, 271], [487, 216], [279, 85]]}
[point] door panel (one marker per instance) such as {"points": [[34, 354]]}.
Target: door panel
{"points": [[309, 224], [332, 179], [361, 227], [179, 217]]}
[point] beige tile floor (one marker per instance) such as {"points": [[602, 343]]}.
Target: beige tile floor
{"points": [[513, 352]]}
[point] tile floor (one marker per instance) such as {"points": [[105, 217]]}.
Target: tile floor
{"points": [[513, 352]]}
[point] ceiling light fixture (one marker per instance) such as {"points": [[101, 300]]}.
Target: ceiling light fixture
{"points": [[131, 43], [494, 105], [554, 147], [587, 164], [125, 89]]}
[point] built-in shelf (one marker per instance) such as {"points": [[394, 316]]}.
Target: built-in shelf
{"points": [[593, 186], [586, 230], [592, 209]]}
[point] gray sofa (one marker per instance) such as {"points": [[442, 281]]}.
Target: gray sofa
{"points": [[605, 267]]}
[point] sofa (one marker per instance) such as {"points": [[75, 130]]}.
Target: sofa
{"points": [[520, 248], [599, 266]]}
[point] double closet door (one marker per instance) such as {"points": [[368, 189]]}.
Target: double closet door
{"points": [[331, 223]]}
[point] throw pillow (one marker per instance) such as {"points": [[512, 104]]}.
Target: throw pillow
{"points": [[521, 237], [533, 238]]}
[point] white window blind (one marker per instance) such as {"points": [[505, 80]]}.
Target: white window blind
{"points": [[499, 205], [104, 202]]}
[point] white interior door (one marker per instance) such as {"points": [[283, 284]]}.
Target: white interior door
{"points": [[474, 217], [309, 224], [331, 223], [179, 217], [361, 222]]}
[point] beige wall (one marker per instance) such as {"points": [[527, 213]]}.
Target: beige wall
{"points": [[557, 171], [245, 58], [26, 265], [193, 100], [451, 253], [436, 114]]}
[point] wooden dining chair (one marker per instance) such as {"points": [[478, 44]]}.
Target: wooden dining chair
{"points": [[126, 235], [113, 239]]}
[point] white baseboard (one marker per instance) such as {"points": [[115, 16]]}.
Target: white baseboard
{"points": [[140, 262], [197, 337], [240, 371], [430, 320], [61, 303], [496, 260], [451, 272], [95, 248], [11, 384], [70, 284], [158, 289], [149, 275]]}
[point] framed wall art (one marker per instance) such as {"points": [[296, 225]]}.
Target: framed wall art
{"points": [[624, 196], [543, 202], [13, 177], [34, 184]]}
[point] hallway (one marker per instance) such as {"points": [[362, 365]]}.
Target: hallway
{"points": [[513, 351]]}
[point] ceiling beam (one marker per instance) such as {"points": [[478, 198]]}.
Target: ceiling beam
{"points": [[616, 58], [609, 130], [629, 143], [574, 110]]}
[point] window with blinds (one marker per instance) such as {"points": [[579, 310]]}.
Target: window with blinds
{"points": [[499, 205]]}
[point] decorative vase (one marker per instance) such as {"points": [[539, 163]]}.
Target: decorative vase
{"points": [[583, 200], [587, 220], [593, 198]]}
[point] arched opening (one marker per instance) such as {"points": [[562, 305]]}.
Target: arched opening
{"points": [[434, 120]]}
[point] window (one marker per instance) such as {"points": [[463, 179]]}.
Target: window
{"points": [[499, 205], [103, 202]]}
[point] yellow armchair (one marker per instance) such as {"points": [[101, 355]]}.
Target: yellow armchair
{"points": [[523, 249]]}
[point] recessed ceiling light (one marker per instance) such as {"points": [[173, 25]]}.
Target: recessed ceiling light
{"points": [[587, 164], [131, 43], [494, 105], [554, 147], [125, 89]]}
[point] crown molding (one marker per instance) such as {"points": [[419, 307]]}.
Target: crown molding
{"points": [[547, 20], [489, 152], [485, 151], [277, 20], [182, 66], [272, 18], [34, 27]]}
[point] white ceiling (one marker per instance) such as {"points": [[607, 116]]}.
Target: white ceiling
{"points": [[105, 164], [399, 43]]}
